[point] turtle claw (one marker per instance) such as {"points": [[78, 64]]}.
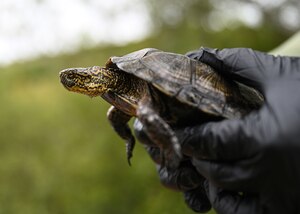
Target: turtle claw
{"points": [[118, 121], [129, 149], [128, 161], [129, 156]]}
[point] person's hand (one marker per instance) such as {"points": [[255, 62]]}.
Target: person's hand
{"points": [[252, 164], [185, 179]]}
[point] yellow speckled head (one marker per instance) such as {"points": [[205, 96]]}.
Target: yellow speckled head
{"points": [[92, 81]]}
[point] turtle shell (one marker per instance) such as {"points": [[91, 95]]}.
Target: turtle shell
{"points": [[190, 81]]}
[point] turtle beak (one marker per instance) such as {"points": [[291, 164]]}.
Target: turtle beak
{"points": [[67, 76]]}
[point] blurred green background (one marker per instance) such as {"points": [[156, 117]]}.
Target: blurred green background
{"points": [[58, 152]]}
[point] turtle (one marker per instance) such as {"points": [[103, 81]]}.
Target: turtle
{"points": [[164, 91]]}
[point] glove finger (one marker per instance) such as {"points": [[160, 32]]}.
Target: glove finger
{"points": [[227, 202], [184, 178], [197, 200], [242, 64], [240, 176], [230, 139]]}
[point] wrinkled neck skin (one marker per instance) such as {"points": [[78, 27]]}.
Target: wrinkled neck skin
{"points": [[119, 82], [102, 80], [125, 91]]}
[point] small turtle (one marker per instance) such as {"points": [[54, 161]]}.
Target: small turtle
{"points": [[164, 91]]}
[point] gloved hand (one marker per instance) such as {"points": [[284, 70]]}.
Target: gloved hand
{"points": [[185, 179], [252, 164]]}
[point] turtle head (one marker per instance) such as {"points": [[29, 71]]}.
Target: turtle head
{"points": [[92, 81]]}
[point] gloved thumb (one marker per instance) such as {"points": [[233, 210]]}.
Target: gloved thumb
{"points": [[240, 64]]}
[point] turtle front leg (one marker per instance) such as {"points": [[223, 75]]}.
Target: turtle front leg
{"points": [[160, 133], [118, 121]]}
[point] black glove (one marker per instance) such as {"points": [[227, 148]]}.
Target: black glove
{"points": [[252, 164], [185, 179]]}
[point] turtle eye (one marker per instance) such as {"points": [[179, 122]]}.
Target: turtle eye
{"points": [[71, 76]]}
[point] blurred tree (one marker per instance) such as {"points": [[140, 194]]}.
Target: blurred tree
{"points": [[257, 24]]}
